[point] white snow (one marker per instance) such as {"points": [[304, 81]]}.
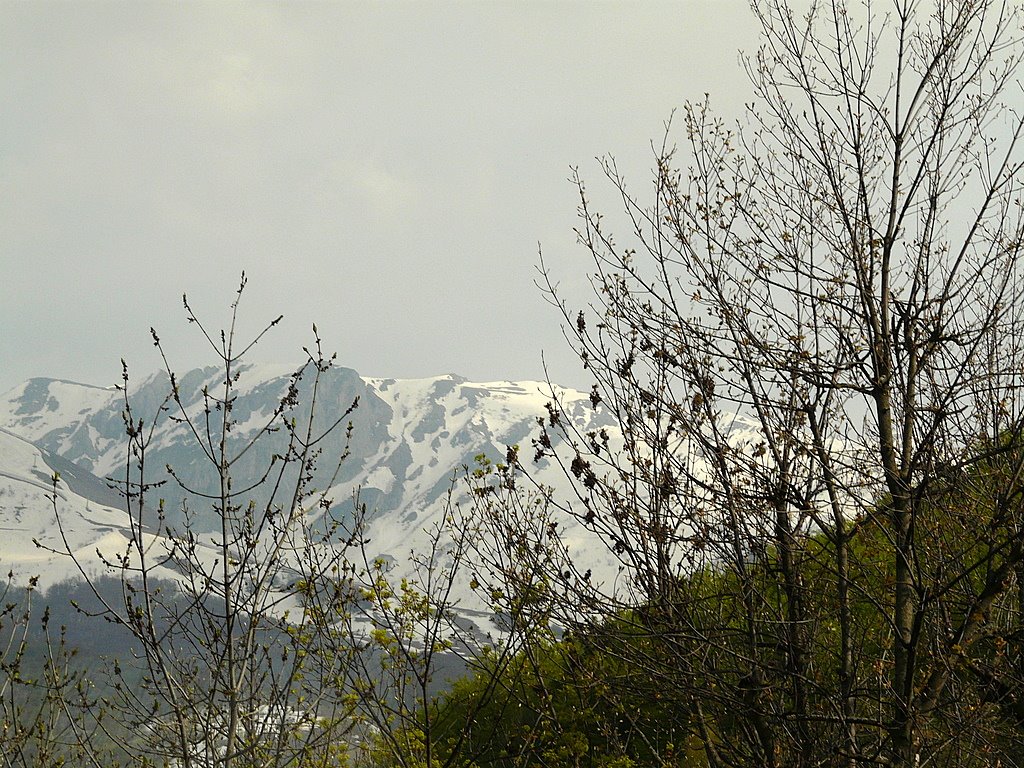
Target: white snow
{"points": [[440, 421]]}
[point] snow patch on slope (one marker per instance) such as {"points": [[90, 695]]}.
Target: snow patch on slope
{"points": [[32, 536]]}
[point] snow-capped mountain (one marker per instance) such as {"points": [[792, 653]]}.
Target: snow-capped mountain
{"points": [[90, 519], [409, 438]]}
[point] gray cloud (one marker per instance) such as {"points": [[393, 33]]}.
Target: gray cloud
{"points": [[383, 170]]}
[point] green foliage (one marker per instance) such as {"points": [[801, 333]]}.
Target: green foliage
{"points": [[692, 677], [569, 702]]}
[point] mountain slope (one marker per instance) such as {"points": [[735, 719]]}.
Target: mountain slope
{"points": [[28, 516], [410, 439]]}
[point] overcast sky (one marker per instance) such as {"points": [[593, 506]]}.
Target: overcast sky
{"points": [[385, 170]]}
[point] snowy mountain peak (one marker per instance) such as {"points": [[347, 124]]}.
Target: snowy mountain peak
{"points": [[409, 437]]}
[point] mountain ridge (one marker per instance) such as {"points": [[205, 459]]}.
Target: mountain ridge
{"points": [[411, 438]]}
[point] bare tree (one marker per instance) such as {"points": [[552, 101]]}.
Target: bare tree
{"points": [[414, 635], [230, 669], [277, 639], [47, 704], [812, 342]]}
